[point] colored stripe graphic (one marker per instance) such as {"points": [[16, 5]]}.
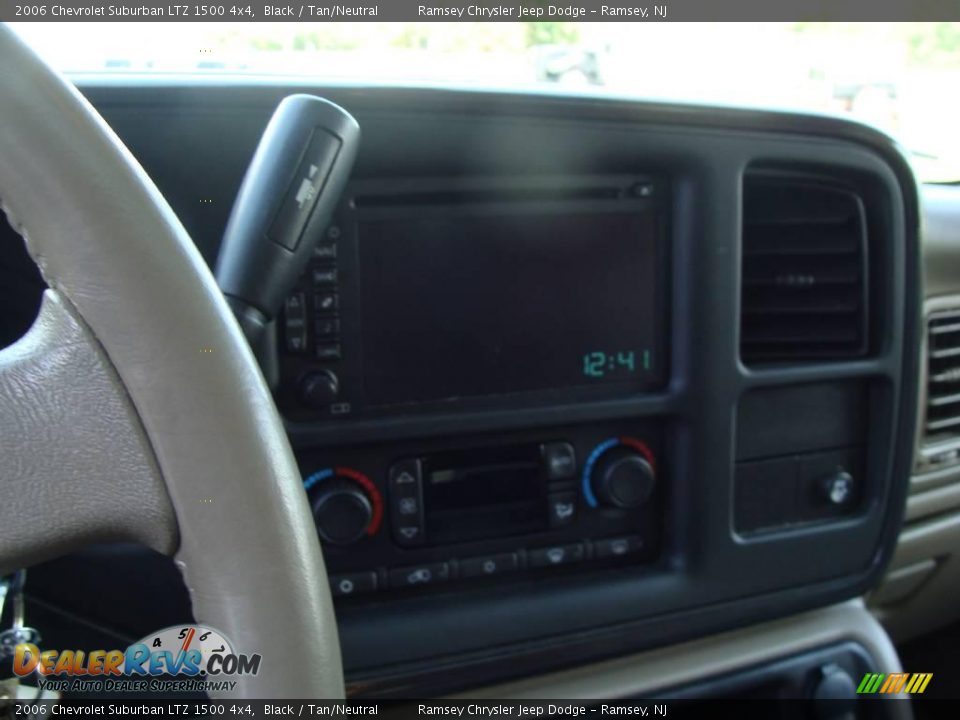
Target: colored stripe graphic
{"points": [[870, 683], [894, 683], [918, 683]]}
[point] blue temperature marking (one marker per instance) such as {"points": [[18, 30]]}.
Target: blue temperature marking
{"points": [[312, 480], [588, 469]]}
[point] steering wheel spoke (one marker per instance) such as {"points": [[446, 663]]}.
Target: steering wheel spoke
{"points": [[77, 468]]}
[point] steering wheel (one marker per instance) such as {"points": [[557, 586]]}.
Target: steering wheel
{"points": [[133, 409]]}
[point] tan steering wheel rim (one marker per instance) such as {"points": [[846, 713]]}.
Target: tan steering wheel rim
{"points": [[134, 409]]}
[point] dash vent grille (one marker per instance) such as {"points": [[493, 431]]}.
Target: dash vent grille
{"points": [[804, 292], [942, 415]]}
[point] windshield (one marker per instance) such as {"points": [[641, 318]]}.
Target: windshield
{"points": [[900, 77]]}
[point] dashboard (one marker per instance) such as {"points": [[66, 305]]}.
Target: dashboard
{"points": [[571, 378]]}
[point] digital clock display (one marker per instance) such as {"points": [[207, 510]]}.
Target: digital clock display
{"points": [[468, 305], [600, 364]]}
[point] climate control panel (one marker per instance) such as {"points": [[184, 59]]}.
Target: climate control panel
{"points": [[481, 510]]}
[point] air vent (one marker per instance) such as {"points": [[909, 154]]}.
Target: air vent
{"points": [[942, 417], [804, 294]]}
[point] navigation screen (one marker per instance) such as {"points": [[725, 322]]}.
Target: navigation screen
{"points": [[477, 305]]}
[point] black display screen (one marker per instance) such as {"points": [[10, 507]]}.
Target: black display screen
{"points": [[467, 306]]}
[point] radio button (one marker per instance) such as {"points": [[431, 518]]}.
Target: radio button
{"points": [[562, 508], [488, 566], [406, 502], [325, 303], [560, 460], [296, 333], [324, 277], [327, 327], [617, 547], [353, 583], [556, 555], [416, 575], [294, 307], [295, 326], [328, 352], [325, 251]]}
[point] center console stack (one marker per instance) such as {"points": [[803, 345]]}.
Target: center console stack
{"points": [[627, 384], [431, 297]]}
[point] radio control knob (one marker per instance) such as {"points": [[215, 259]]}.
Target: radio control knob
{"points": [[623, 478], [319, 388], [342, 511]]}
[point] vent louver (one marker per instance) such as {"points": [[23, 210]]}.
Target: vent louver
{"points": [[804, 293], [942, 417]]}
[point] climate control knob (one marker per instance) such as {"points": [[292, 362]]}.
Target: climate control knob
{"points": [[342, 513], [623, 479], [346, 505], [619, 473]]}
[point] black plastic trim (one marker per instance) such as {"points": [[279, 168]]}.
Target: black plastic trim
{"points": [[694, 423]]}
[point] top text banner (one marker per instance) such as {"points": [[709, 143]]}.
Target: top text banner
{"points": [[484, 10]]}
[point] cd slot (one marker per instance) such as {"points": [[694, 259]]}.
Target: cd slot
{"points": [[492, 195]]}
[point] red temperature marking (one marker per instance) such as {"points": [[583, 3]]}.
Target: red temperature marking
{"points": [[641, 448], [376, 499]]}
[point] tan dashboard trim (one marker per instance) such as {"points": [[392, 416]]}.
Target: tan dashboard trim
{"points": [[936, 501], [932, 524]]}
